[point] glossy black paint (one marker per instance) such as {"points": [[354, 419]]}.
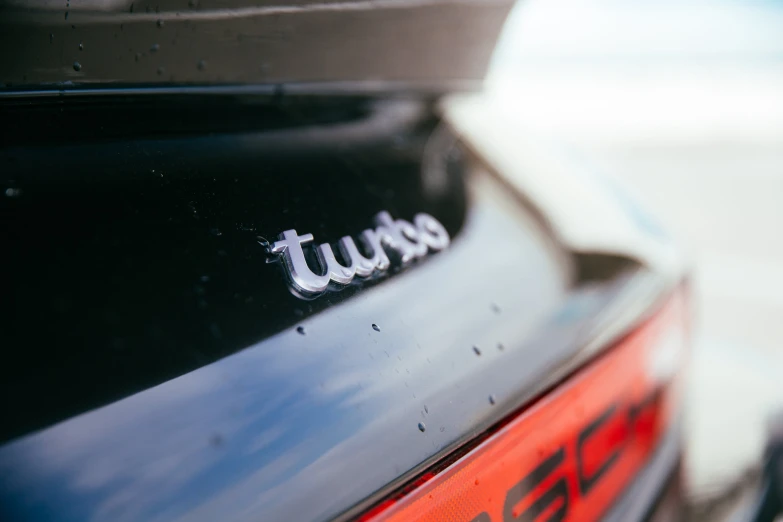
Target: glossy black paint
{"points": [[345, 45], [137, 285], [142, 256]]}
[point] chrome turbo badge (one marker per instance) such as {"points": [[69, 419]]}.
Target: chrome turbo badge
{"points": [[410, 240]]}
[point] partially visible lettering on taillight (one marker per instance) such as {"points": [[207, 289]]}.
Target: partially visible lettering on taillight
{"points": [[569, 455]]}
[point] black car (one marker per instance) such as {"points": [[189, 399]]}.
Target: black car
{"points": [[275, 262]]}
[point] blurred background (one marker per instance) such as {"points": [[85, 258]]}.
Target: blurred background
{"points": [[680, 102]]}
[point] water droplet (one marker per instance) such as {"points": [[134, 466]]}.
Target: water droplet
{"points": [[495, 308], [131, 8], [66, 15], [81, 46], [216, 440], [13, 192], [492, 399], [476, 482], [51, 37], [138, 56], [161, 70], [422, 427], [215, 232], [426, 410], [155, 48], [201, 65], [77, 66], [501, 347], [192, 4], [442, 429], [301, 330], [205, 279], [476, 350], [375, 327], [160, 23]]}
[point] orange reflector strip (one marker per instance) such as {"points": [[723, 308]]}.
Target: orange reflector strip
{"points": [[569, 455]]}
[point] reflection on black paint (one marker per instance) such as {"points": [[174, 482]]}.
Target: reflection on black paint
{"points": [[121, 283], [136, 259]]}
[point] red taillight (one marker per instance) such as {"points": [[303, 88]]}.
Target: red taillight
{"points": [[569, 455]]}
